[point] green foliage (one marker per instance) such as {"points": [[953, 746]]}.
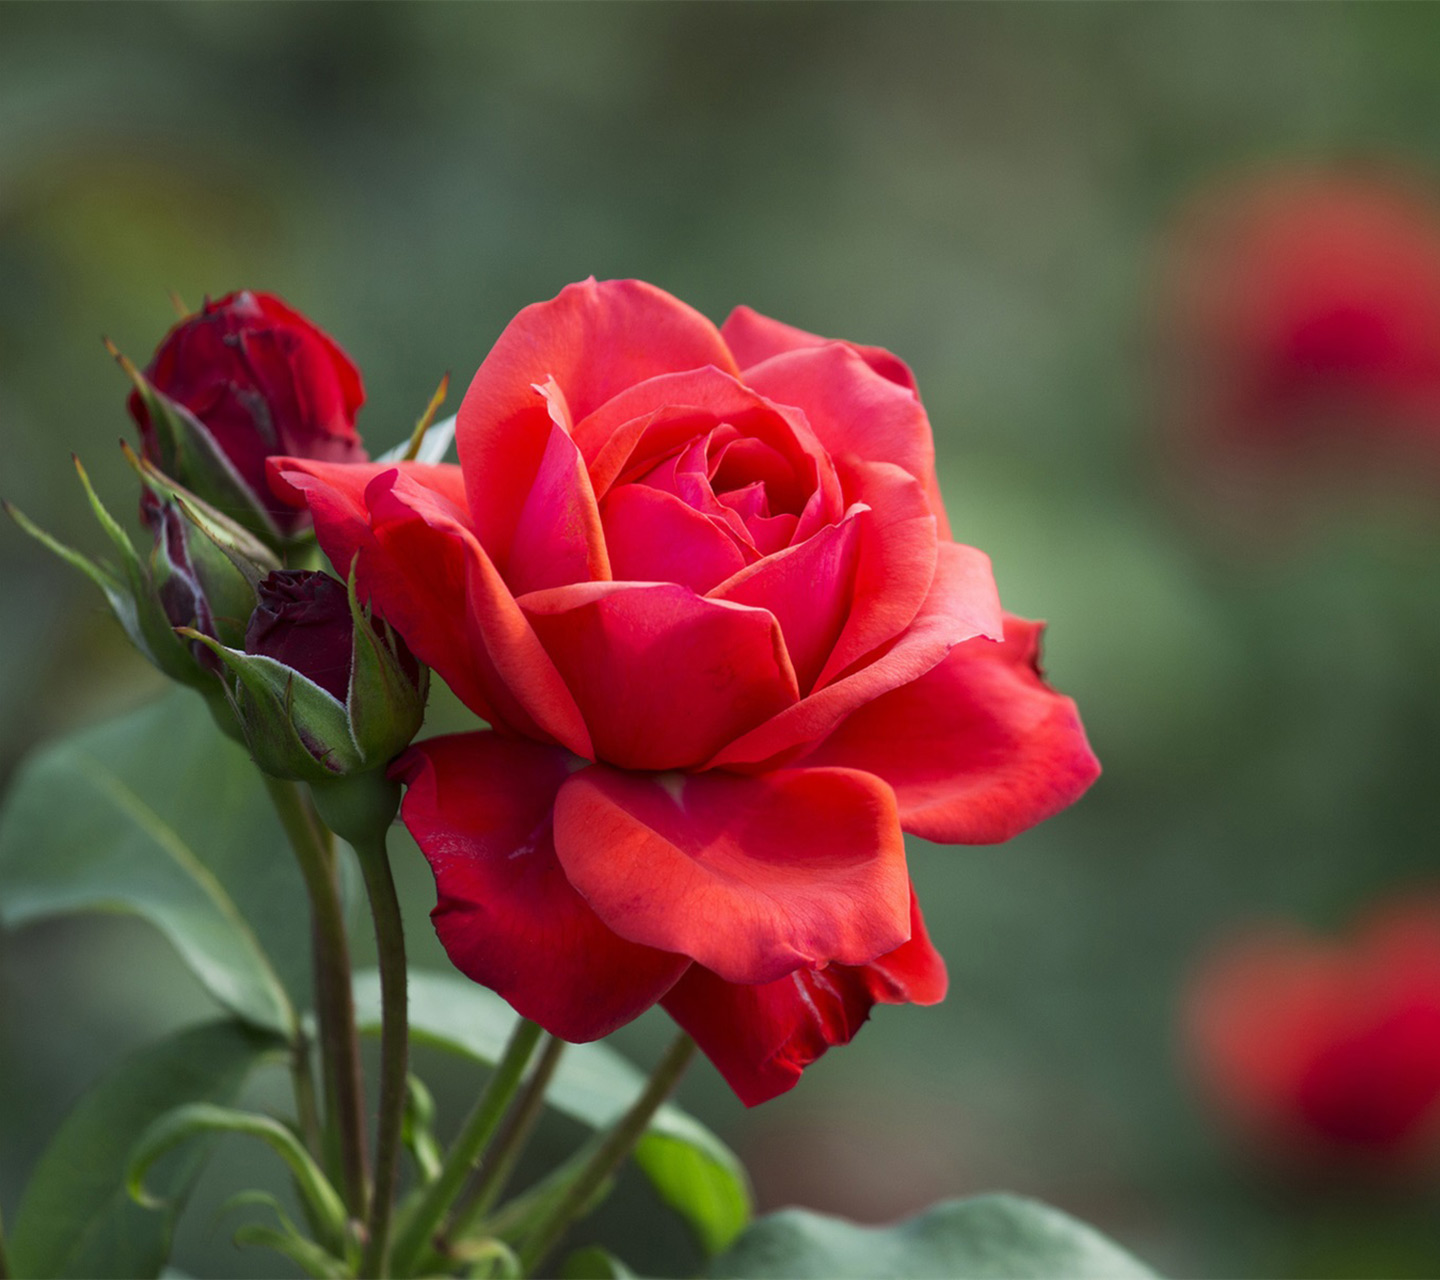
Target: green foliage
{"points": [[595, 1263], [75, 1218], [690, 1168], [988, 1238], [157, 815]]}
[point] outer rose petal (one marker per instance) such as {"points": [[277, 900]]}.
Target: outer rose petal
{"points": [[962, 604], [663, 677], [978, 749], [855, 411], [591, 342], [335, 494], [761, 1038], [754, 338], [752, 877], [480, 808], [427, 574]]}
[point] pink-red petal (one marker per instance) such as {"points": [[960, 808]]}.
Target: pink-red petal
{"points": [[753, 877], [761, 1038], [962, 603], [481, 809], [557, 539], [654, 536], [978, 749], [663, 677], [754, 338], [855, 411]]}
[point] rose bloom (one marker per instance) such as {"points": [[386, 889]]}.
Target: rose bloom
{"points": [[1325, 1052], [262, 380], [701, 585], [1301, 322]]}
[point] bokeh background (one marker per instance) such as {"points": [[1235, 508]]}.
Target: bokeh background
{"points": [[986, 190]]}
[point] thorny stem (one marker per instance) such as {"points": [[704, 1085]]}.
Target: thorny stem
{"points": [[477, 1131], [609, 1155], [501, 1158], [334, 999], [394, 1050]]}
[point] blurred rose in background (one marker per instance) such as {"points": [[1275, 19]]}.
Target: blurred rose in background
{"points": [[1323, 1054]]}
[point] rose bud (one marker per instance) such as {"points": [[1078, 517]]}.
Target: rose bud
{"points": [[243, 379], [321, 689], [1325, 1055], [701, 585], [201, 575]]}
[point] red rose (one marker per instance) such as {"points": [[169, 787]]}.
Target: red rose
{"points": [[1302, 313], [261, 380], [1326, 1049], [701, 584]]}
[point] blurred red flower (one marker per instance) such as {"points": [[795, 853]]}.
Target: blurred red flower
{"points": [[1326, 1048], [1301, 322], [701, 584]]}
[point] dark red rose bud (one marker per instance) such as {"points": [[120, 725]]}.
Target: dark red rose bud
{"points": [[302, 619], [260, 380]]}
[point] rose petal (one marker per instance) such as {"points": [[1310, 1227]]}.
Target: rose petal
{"points": [[592, 341], [335, 494], [762, 1037], [663, 677], [962, 603], [808, 589], [754, 338], [978, 749], [653, 536], [481, 809], [558, 538], [752, 877], [433, 581], [896, 563], [855, 411]]}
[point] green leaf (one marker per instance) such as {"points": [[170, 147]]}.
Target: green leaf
{"points": [[156, 814], [996, 1237], [75, 1218], [691, 1169]]}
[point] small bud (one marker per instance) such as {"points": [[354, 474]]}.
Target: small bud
{"points": [[321, 690], [243, 379]]}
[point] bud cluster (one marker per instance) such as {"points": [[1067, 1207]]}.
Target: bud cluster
{"points": [[288, 659]]}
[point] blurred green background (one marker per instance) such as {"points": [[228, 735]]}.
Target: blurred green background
{"points": [[981, 189]]}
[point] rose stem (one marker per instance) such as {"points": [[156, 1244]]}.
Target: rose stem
{"points": [[306, 1111], [609, 1155], [394, 1048], [334, 999], [500, 1159], [476, 1132]]}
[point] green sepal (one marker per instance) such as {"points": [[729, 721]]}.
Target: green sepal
{"points": [[417, 1131], [190, 453], [196, 1118], [386, 705], [293, 727], [304, 1253]]}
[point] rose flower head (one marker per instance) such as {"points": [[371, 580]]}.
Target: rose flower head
{"points": [[701, 585], [320, 689], [1301, 325], [244, 378], [1325, 1052]]}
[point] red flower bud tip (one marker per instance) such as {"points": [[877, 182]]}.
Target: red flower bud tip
{"points": [[1326, 1054], [302, 618], [257, 379]]}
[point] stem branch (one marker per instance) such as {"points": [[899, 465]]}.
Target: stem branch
{"points": [[334, 999], [394, 1049], [609, 1155], [477, 1131]]}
